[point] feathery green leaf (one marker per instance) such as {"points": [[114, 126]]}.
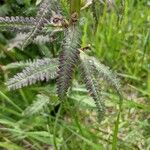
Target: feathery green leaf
{"points": [[92, 84], [68, 59], [18, 23], [104, 72], [40, 21], [42, 69], [37, 106]]}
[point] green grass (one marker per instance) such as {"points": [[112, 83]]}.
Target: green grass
{"points": [[124, 46]]}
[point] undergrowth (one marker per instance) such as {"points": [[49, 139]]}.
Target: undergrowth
{"points": [[61, 45]]}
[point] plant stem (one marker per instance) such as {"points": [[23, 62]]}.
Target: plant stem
{"points": [[75, 6]]}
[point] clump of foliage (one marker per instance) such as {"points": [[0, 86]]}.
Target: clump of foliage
{"points": [[48, 22], [34, 117]]}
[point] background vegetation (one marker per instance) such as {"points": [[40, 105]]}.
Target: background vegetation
{"points": [[121, 41]]}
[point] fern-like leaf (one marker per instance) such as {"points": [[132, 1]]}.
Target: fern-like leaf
{"points": [[68, 58], [16, 65], [19, 39], [44, 9], [41, 20], [41, 38], [92, 85], [37, 106], [42, 69], [20, 24], [104, 72], [38, 26]]}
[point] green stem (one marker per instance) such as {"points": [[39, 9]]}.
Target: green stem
{"points": [[116, 130], [75, 6]]}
